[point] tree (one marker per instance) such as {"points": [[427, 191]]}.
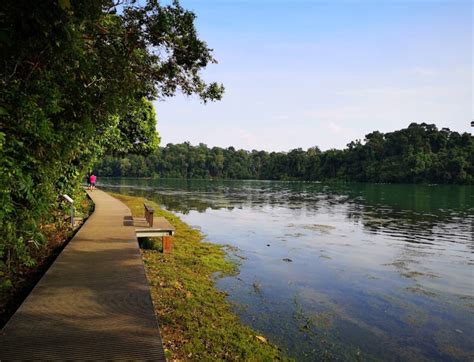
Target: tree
{"points": [[419, 153], [134, 132], [75, 80]]}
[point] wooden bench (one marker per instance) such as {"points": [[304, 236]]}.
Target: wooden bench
{"points": [[152, 227]]}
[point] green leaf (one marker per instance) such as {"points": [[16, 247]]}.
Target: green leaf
{"points": [[6, 285], [64, 4]]}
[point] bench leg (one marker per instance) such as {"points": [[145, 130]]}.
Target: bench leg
{"points": [[167, 243]]}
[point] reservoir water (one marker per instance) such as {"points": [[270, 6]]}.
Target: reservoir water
{"points": [[339, 271]]}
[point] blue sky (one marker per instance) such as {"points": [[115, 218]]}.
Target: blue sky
{"points": [[323, 73]]}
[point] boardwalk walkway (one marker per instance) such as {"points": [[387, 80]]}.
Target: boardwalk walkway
{"points": [[94, 302]]}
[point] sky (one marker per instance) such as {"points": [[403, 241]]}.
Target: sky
{"points": [[307, 73]]}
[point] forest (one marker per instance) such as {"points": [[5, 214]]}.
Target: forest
{"points": [[419, 153], [77, 81]]}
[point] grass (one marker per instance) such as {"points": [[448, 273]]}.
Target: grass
{"points": [[196, 320]]}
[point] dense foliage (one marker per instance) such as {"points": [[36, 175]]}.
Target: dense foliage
{"points": [[419, 153], [76, 80]]}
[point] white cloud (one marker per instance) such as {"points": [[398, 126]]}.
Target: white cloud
{"points": [[337, 129], [423, 71]]}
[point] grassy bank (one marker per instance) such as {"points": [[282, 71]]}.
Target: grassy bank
{"points": [[196, 320]]}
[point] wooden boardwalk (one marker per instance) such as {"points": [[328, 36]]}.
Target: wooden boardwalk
{"points": [[94, 302]]}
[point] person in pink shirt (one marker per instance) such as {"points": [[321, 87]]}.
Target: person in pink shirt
{"points": [[92, 179]]}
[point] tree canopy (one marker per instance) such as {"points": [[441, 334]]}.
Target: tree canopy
{"points": [[419, 153], [76, 81]]}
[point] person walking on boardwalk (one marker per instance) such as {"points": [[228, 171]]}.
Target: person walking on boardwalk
{"points": [[92, 179]]}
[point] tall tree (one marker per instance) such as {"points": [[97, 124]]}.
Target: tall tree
{"points": [[75, 80]]}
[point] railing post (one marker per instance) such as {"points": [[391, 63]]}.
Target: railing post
{"points": [[71, 202]]}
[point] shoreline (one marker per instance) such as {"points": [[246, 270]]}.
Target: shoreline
{"points": [[196, 319]]}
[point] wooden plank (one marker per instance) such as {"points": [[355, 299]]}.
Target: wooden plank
{"points": [[94, 302], [160, 224], [152, 233]]}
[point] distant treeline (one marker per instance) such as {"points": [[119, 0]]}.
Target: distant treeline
{"points": [[419, 153]]}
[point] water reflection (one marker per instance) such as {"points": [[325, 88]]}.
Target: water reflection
{"points": [[341, 271]]}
